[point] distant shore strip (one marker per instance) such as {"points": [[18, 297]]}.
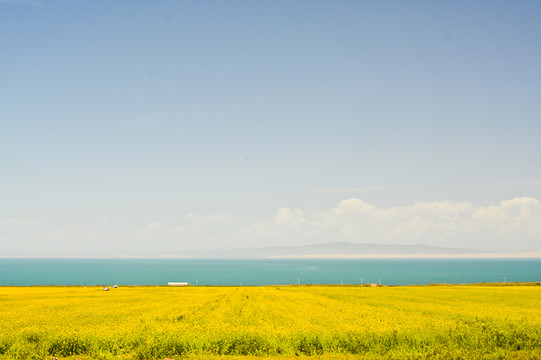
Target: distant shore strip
{"points": [[526, 255]]}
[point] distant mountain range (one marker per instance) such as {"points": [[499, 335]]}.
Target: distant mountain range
{"points": [[338, 248]]}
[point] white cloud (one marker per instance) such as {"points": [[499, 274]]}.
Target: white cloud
{"points": [[286, 217], [512, 225], [156, 229], [194, 231], [283, 228], [519, 209], [511, 221]]}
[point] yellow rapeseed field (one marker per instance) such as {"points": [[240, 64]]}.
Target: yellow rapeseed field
{"points": [[328, 322]]}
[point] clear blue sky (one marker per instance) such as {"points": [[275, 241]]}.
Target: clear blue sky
{"points": [[159, 126]]}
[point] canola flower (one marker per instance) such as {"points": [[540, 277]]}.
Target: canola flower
{"points": [[159, 322]]}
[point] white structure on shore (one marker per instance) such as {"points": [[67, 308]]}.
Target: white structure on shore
{"points": [[178, 284]]}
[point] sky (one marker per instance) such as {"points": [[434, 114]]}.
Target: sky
{"points": [[137, 128]]}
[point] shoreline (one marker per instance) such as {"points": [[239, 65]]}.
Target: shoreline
{"points": [[526, 255], [367, 285]]}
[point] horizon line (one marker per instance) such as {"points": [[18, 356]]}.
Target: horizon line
{"points": [[501, 255]]}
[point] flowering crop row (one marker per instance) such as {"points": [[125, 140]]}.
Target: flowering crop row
{"points": [[160, 322]]}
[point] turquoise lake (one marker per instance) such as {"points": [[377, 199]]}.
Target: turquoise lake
{"points": [[25, 272]]}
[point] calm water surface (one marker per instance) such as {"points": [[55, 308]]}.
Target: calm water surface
{"points": [[22, 272]]}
